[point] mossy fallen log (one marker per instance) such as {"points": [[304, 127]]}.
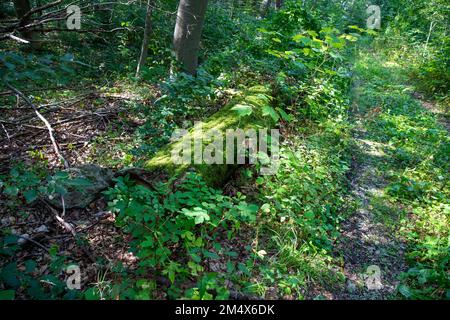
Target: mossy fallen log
{"points": [[249, 109]]}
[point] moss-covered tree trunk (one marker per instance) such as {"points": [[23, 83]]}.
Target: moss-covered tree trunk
{"points": [[228, 118]]}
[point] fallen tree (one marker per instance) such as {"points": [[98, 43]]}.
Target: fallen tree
{"points": [[206, 147], [248, 112]]}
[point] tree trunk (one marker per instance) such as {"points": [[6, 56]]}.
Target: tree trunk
{"points": [[278, 4], [188, 31], [145, 41], [265, 5], [22, 7]]}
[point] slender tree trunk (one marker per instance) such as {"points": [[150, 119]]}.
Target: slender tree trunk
{"points": [[22, 7], [278, 4], [188, 32], [145, 41], [429, 33], [256, 5], [265, 5]]}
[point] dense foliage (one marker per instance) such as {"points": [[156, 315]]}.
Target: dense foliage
{"points": [[272, 236]]}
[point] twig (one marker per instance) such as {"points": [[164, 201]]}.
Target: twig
{"points": [[60, 220], [7, 134], [40, 116], [33, 241], [63, 206], [66, 225]]}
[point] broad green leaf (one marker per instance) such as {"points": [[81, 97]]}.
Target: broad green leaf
{"points": [[7, 295], [211, 255], [269, 111], [243, 109], [30, 195], [286, 117], [405, 291], [30, 265], [200, 215]]}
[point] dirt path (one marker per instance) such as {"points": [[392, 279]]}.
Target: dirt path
{"points": [[372, 254]]}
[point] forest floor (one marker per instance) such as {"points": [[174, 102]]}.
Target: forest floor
{"points": [[397, 180]]}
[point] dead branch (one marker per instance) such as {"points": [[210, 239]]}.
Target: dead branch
{"points": [[39, 9], [17, 38]]}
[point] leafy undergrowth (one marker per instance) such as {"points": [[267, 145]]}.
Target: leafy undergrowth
{"points": [[417, 147], [176, 233], [190, 240], [303, 206], [260, 236]]}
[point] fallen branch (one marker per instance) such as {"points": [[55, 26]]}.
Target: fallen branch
{"points": [[18, 39]]}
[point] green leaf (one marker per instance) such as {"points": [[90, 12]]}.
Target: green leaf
{"points": [[7, 295], [303, 39], [243, 268], [286, 117], [91, 294], [10, 239], [211, 255], [9, 274], [196, 258], [200, 215], [312, 33], [148, 243], [232, 254], [269, 111], [230, 266], [30, 195], [248, 211], [243, 109], [405, 291], [259, 180], [309, 215], [30, 265], [11, 191]]}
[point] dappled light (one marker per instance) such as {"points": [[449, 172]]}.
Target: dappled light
{"points": [[224, 150]]}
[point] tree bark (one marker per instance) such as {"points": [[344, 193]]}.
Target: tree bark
{"points": [[278, 4], [265, 5], [22, 7], [188, 31], [145, 41]]}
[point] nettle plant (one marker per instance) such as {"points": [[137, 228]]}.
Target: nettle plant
{"points": [[176, 232]]}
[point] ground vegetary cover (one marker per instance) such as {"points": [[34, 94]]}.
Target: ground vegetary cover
{"points": [[358, 208]]}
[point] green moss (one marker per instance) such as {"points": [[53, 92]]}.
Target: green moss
{"points": [[226, 118]]}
